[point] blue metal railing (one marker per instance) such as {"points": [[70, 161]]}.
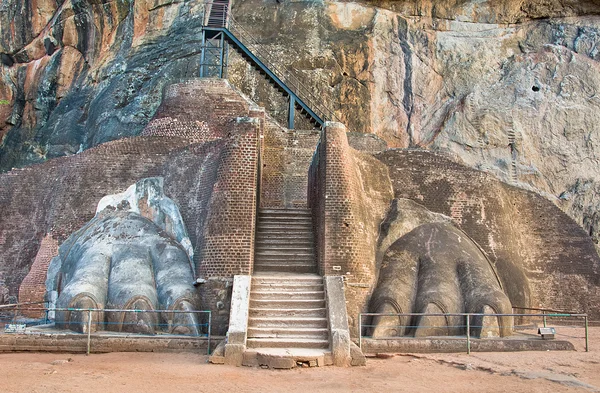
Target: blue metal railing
{"points": [[220, 21], [91, 322], [466, 325]]}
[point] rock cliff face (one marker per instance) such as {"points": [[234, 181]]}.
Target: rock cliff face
{"points": [[509, 87]]}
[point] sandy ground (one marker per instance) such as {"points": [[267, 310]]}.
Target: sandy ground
{"points": [[167, 372]]}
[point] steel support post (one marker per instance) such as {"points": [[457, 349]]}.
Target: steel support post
{"points": [[291, 112]]}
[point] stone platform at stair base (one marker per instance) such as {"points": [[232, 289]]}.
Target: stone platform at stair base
{"points": [[286, 358], [459, 344]]}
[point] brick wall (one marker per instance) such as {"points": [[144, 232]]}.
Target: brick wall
{"points": [[347, 214], [229, 243], [204, 140], [286, 159], [59, 196], [33, 287]]}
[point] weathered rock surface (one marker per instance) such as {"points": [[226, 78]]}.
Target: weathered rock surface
{"points": [[509, 87]]}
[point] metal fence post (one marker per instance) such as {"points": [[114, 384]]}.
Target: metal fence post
{"points": [[360, 331], [209, 329], [587, 343], [468, 335], [89, 328], [544, 314]]}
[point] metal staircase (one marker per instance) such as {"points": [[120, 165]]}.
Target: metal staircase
{"points": [[221, 31]]}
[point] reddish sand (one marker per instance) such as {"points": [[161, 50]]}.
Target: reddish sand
{"points": [[153, 372]]}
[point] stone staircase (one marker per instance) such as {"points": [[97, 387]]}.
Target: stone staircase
{"points": [[284, 241], [287, 310], [288, 314]]}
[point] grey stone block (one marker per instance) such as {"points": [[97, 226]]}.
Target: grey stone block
{"points": [[277, 362], [234, 354], [358, 358], [340, 347]]}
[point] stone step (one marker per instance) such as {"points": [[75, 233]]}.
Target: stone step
{"points": [[287, 312], [286, 218], [288, 261], [286, 268], [284, 224], [285, 212], [285, 260], [283, 250], [291, 219], [287, 287], [285, 295], [275, 256], [296, 226], [286, 358], [291, 241], [286, 227], [284, 254], [284, 235], [284, 279], [284, 245], [308, 322], [287, 303], [282, 332], [287, 343], [270, 248]]}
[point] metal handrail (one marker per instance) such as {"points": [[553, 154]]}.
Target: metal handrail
{"points": [[286, 74], [107, 310], [468, 315], [221, 17], [543, 311]]}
